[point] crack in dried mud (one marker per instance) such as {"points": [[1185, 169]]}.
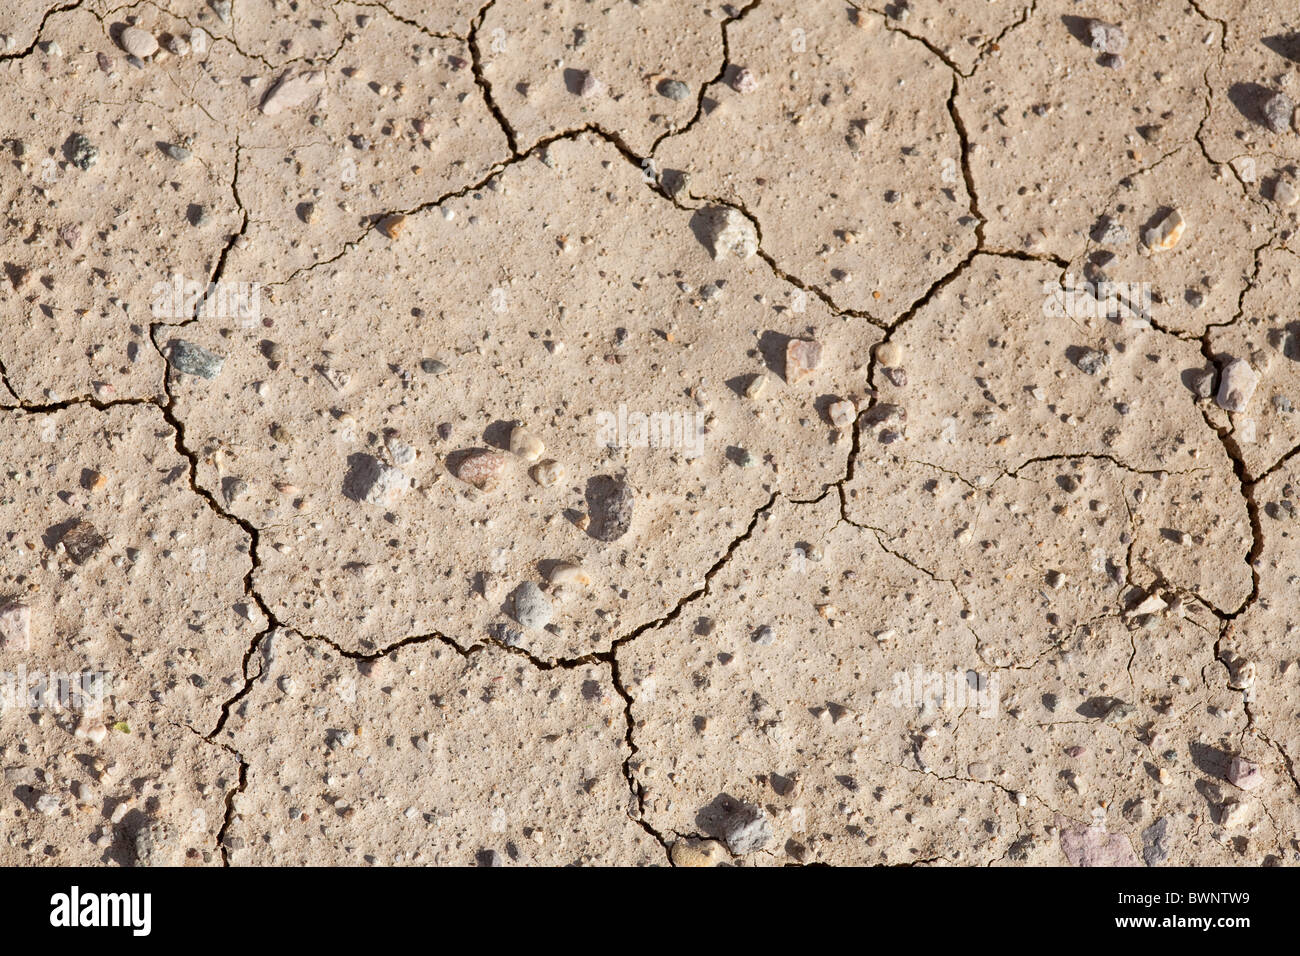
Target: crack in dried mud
{"points": [[717, 78]]}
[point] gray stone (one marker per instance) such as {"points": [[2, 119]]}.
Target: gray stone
{"points": [[674, 89], [1091, 361], [83, 153], [1155, 842], [611, 510], [1278, 110], [746, 829], [152, 845], [193, 359], [1107, 37], [1112, 234], [532, 608]]}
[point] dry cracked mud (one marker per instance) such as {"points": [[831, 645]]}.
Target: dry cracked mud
{"points": [[534, 433]]}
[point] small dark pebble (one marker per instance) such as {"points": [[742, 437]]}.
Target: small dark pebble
{"points": [[82, 542]]}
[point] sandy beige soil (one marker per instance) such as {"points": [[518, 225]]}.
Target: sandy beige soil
{"points": [[649, 433]]}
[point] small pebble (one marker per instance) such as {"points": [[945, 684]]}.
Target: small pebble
{"points": [[84, 154], [401, 453], [525, 444], [889, 354], [802, 357], [1165, 234], [744, 81], [730, 232], [745, 828], [15, 624], [1119, 713], [1092, 361], [1202, 383], [373, 482], [138, 43], [482, 469], [93, 730], [842, 413], [292, 89], [82, 542], [233, 489], [1236, 385], [393, 226], [567, 574], [1244, 774], [612, 511], [548, 473], [1112, 234], [674, 89], [693, 852]]}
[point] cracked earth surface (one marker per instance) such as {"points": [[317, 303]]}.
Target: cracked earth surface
{"points": [[545, 432]]}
